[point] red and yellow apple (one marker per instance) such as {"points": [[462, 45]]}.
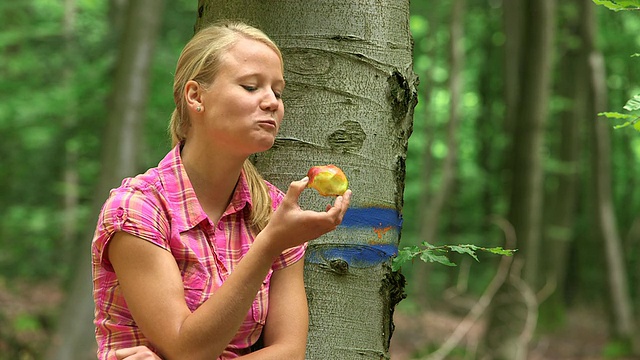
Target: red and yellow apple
{"points": [[328, 180]]}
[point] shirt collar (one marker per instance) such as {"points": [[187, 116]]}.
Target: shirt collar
{"points": [[185, 205], [241, 195]]}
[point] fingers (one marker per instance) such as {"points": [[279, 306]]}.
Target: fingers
{"points": [[135, 353], [295, 189], [340, 207], [123, 353]]}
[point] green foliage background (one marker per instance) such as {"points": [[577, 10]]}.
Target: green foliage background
{"points": [[54, 101]]}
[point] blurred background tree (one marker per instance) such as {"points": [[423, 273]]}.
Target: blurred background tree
{"points": [[58, 66]]}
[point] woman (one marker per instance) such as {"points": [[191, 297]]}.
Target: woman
{"points": [[200, 257]]}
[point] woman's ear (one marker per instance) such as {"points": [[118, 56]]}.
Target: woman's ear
{"points": [[193, 95]]}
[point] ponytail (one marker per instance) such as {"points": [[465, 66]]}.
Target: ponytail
{"points": [[260, 198]]}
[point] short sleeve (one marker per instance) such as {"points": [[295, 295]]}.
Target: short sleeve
{"points": [[291, 255], [139, 212]]}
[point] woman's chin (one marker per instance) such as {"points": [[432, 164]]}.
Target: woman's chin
{"points": [[264, 144]]}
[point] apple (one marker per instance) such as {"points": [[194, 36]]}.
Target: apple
{"points": [[328, 180]]}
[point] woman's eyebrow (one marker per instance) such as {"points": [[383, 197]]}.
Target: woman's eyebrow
{"points": [[256, 75]]}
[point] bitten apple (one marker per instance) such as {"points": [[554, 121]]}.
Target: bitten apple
{"points": [[328, 180]]}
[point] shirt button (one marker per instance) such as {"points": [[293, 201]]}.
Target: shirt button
{"points": [[220, 226], [119, 212]]}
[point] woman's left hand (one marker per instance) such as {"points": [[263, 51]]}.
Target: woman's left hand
{"points": [[136, 353]]}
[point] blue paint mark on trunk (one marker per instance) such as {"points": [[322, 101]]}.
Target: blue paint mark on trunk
{"points": [[376, 217], [339, 257], [355, 255]]}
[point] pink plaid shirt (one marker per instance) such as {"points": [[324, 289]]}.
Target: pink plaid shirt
{"points": [[160, 206]]}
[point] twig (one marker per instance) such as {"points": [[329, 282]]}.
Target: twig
{"points": [[531, 321]]}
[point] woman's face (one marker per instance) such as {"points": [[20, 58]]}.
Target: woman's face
{"points": [[243, 107]]}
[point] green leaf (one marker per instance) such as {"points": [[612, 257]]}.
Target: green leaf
{"points": [[430, 256], [616, 115], [632, 122], [633, 104], [636, 55], [500, 251], [404, 255], [618, 5], [427, 245], [465, 249], [396, 264]]}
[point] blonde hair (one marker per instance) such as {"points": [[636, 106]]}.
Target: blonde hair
{"points": [[200, 61]]}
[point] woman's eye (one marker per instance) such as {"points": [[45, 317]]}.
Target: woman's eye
{"points": [[249, 87], [278, 94]]}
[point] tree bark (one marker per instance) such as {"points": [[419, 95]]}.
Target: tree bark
{"points": [[349, 101], [508, 334], [74, 338]]}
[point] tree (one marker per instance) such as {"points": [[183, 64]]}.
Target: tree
{"points": [[74, 338], [621, 303], [510, 324], [573, 88], [349, 101], [438, 201]]}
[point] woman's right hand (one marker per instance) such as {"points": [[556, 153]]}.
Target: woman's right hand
{"points": [[291, 226]]}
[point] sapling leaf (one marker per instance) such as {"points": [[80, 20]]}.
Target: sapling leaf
{"points": [[465, 249], [616, 115], [404, 255], [633, 104], [500, 251], [618, 5], [430, 253], [430, 256]]}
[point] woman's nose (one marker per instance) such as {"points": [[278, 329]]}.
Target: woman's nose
{"points": [[270, 101]]}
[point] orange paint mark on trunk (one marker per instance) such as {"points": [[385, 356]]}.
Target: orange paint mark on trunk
{"points": [[381, 231]]}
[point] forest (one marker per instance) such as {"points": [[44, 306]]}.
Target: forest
{"points": [[510, 147]]}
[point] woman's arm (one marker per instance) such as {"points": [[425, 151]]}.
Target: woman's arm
{"points": [[285, 331], [152, 285]]}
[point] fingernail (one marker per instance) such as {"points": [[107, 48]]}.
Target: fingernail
{"points": [[305, 179]]}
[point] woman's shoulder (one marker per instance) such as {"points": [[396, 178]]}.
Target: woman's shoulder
{"points": [[142, 188]]}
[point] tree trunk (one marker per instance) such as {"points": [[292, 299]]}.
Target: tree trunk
{"points": [[574, 86], [349, 101], [71, 179], [621, 308], [490, 126], [430, 215], [74, 338], [510, 324], [417, 289], [528, 140], [513, 16], [429, 228]]}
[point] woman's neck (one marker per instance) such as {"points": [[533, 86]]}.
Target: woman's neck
{"points": [[214, 176]]}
